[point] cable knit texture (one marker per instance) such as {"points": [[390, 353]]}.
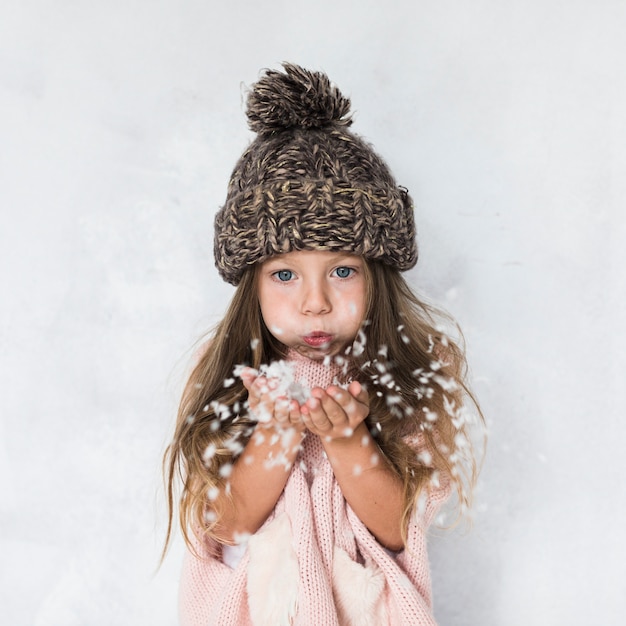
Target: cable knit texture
{"points": [[306, 182], [345, 576]]}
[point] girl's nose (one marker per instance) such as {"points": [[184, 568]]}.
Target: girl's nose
{"points": [[316, 301]]}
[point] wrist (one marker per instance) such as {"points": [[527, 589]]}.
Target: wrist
{"points": [[359, 448], [274, 438], [358, 435]]}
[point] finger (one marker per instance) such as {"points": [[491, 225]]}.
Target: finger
{"points": [[322, 429], [295, 415], [342, 397], [261, 402], [350, 410], [282, 411], [354, 400], [357, 391], [337, 404], [248, 377], [315, 413]]}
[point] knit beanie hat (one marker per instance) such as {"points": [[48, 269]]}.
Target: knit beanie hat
{"points": [[307, 183]]}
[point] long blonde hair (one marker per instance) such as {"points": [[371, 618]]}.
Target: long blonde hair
{"points": [[414, 373]]}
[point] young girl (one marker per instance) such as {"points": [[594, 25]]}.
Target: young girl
{"points": [[324, 423]]}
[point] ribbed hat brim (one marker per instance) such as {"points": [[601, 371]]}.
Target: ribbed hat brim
{"points": [[304, 214]]}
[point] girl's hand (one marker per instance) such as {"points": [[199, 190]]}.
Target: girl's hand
{"points": [[266, 406], [335, 413]]}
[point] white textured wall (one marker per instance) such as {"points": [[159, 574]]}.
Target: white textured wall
{"points": [[119, 124]]}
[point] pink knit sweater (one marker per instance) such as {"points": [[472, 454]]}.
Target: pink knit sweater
{"points": [[313, 562]]}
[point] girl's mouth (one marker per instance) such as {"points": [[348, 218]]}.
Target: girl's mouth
{"points": [[317, 339]]}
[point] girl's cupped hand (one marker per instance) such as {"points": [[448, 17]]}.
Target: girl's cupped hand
{"points": [[332, 413], [267, 405], [335, 412]]}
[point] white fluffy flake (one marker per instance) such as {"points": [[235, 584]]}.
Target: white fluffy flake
{"points": [[226, 470], [435, 479], [358, 345], [283, 383], [431, 416], [460, 441], [221, 410], [431, 344], [209, 453], [283, 373], [425, 458], [403, 336], [393, 400], [447, 384], [234, 446]]}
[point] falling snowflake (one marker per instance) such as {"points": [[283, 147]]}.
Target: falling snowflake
{"points": [[226, 470], [209, 453]]}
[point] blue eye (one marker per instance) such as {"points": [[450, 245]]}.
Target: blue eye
{"points": [[344, 272], [284, 275]]}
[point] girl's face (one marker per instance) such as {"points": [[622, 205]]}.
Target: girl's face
{"points": [[313, 301]]}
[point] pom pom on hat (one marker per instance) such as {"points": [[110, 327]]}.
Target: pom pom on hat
{"points": [[307, 183], [296, 99]]}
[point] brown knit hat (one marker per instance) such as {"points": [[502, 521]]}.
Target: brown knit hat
{"points": [[307, 183]]}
